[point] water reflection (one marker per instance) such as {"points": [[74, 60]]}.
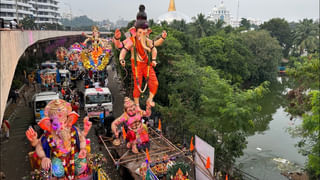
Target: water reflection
{"points": [[271, 149]]}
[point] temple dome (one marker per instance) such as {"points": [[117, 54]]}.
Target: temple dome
{"points": [[172, 14]]}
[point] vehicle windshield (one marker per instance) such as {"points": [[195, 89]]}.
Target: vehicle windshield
{"points": [[98, 98], [41, 104], [50, 66]]}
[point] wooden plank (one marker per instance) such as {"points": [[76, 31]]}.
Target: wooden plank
{"points": [[108, 150]]}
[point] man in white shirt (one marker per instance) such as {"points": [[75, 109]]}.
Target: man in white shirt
{"points": [[13, 24], [96, 84]]}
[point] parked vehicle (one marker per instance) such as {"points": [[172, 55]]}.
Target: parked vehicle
{"points": [[98, 101], [39, 102], [49, 64]]}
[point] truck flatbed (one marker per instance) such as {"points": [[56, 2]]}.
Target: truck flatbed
{"points": [[159, 147]]}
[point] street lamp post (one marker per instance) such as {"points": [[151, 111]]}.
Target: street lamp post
{"points": [[56, 22], [17, 15]]}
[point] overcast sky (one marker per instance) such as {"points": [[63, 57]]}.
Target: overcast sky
{"points": [[292, 10]]}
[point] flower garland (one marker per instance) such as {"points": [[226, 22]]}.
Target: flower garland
{"points": [[68, 162]]}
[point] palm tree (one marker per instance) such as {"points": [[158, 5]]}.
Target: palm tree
{"points": [[201, 25], [306, 36], [179, 25]]}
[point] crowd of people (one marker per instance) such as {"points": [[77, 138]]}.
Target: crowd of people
{"points": [[73, 96]]}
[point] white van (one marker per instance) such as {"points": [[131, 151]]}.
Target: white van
{"points": [[97, 101], [40, 100]]}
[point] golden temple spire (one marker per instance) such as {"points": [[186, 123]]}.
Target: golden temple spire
{"points": [[172, 6]]}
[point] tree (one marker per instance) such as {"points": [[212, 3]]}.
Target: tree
{"points": [[279, 28], [81, 21], [266, 53], [305, 101], [306, 36], [201, 25], [227, 55], [245, 23], [28, 23], [202, 103], [179, 25]]}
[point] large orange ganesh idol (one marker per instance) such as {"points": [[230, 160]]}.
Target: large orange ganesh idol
{"points": [[142, 64]]}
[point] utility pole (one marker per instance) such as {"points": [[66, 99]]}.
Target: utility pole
{"points": [[70, 13], [71, 18], [238, 12], [37, 19]]}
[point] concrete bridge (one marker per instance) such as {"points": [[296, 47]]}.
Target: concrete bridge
{"points": [[13, 45]]}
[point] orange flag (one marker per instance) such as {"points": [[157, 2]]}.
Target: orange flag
{"points": [[208, 163], [124, 134], [191, 145], [226, 176], [159, 125], [148, 156]]}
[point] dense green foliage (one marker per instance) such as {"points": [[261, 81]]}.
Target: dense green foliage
{"points": [[266, 56], [81, 21], [279, 28], [305, 101], [306, 36], [295, 38], [28, 23]]}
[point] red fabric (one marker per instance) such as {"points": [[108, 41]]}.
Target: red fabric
{"points": [[140, 49], [75, 108], [131, 136], [6, 123], [142, 69], [90, 74], [63, 92], [144, 137]]}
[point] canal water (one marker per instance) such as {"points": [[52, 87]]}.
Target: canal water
{"points": [[271, 149]]}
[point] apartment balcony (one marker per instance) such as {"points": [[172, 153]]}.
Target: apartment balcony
{"points": [[14, 11], [47, 10], [14, 3], [43, 4], [47, 16]]}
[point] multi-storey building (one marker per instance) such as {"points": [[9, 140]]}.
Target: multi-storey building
{"points": [[44, 11], [15, 9]]}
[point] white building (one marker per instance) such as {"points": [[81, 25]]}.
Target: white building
{"points": [[172, 14], [254, 21], [9, 9], [44, 11], [221, 13]]}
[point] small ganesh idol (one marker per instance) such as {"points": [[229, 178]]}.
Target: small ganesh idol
{"points": [[61, 54], [62, 148], [137, 133]]}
